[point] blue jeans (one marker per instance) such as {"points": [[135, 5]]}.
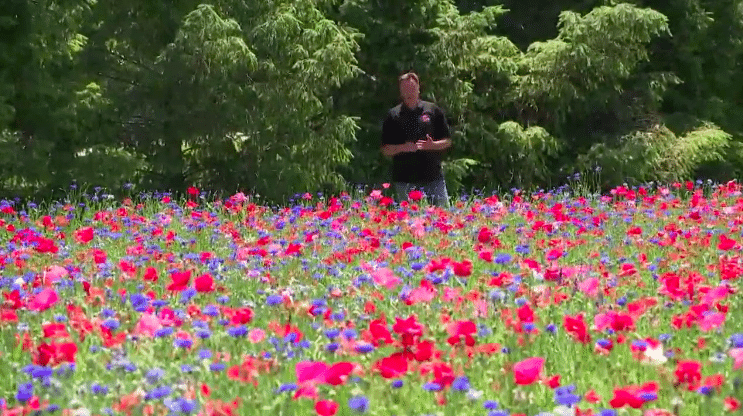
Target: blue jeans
{"points": [[435, 191]]}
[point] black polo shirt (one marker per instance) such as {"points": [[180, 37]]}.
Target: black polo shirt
{"points": [[404, 124]]}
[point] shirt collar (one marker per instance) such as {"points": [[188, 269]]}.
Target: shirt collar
{"points": [[416, 107]]}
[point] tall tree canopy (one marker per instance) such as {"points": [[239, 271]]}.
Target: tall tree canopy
{"points": [[281, 97]]}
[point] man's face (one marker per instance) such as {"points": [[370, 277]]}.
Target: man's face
{"points": [[409, 90]]}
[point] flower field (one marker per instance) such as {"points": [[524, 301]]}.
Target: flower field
{"points": [[538, 304]]}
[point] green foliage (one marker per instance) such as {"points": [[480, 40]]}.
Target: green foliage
{"points": [[585, 66], [657, 155], [107, 167], [456, 170], [280, 97]]}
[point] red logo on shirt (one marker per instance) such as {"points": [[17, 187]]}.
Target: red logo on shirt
{"points": [[425, 118]]}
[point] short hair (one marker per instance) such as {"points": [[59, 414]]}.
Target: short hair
{"points": [[408, 75]]}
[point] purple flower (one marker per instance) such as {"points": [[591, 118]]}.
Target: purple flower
{"points": [[490, 404], [364, 348], [461, 384], [180, 405], [182, 343], [396, 384], [431, 386], [111, 324], [154, 375], [564, 395], [158, 393], [332, 333], [273, 300], [286, 387], [163, 332], [237, 331], [359, 404], [210, 310], [99, 389], [25, 392]]}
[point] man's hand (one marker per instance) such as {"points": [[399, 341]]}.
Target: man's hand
{"points": [[427, 144], [409, 147], [391, 150]]}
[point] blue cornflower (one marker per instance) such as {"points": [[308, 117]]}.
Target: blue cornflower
{"points": [[359, 404], [180, 405], [640, 344], [182, 343], [608, 412], [461, 384], [25, 392], [564, 395], [349, 333], [498, 413], [203, 334], [364, 348], [205, 354], [154, 375], [185, 368], [107, 313], [163, 332], [111, 324], [187, 295], [139, 302], [99, 389], [431, 386], [41, 372], [217, 366], [273, 300], [332, 333], [332, 347], [705, 390], [736, 340], [502, 258], [648, 397], [290, 337], [603, 343], [551, 328], [396, 384], [210, 310], [237, 331], [490, 404], [286, 387], [158, 393]]}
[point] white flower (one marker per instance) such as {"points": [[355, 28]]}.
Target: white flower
{"points": [[655, 355], [563, 411], [474, 395]]}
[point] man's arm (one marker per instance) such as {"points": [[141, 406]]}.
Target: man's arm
{"points": [[441, 130], [391, 150], [390, 135]]}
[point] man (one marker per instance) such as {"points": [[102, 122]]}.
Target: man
{"points": [[415, 134]]}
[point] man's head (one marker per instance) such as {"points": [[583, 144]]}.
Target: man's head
{"points": [[409, 88]]}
